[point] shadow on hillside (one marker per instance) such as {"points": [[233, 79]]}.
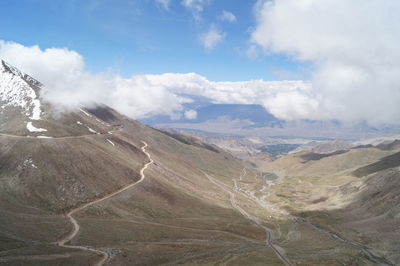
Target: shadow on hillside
{"points": [[370, 220]]}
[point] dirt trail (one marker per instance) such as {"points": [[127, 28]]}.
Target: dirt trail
{"points": [[268, 240], [74, 222], [49, 137]]}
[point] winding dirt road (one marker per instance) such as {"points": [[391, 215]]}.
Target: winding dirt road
{"points": [[268, 239], [105, 256]]}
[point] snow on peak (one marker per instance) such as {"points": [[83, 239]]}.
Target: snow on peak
{"points": [[16, 90]]}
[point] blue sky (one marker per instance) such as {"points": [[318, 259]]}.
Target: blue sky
{"points": [[139, 36], [330, 59]]}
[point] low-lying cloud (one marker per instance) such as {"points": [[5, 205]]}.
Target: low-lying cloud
{"points": [[336, 92], [69, 85], [191, 114], [353, 47]]}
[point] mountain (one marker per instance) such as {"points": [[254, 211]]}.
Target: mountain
{"points": [[249, 120], [207, 111], [94, 187], [24, 113], [18, 99]]}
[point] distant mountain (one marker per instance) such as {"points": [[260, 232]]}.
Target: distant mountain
{"points": [[254, 120], [208, 112]]}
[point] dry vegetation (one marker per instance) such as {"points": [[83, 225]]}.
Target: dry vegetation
{"points": [[315, 208]]}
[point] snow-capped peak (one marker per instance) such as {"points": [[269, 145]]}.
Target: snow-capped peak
{"points": [[19, 90]]}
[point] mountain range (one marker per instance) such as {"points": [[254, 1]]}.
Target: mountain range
{"points": [[94, 187], [249, 120]]}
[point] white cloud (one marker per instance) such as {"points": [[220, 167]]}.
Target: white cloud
{"points": [[165, 4], [227, 16], [68, 84], [191, 114], [266, 93], [292, 105], [212, 38], [196, 7], [353, 47]]}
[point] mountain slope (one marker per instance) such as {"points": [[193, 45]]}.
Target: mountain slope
{"points": [[351, 194], [98, 188], [80, 157], [18, 99]]}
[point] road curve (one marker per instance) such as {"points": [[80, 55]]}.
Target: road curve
{"points": [[74, 222], [268, 239]]}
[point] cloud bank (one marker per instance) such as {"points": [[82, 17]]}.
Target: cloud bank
{"points": [[353, 48], [69, 85], [356, 85]]}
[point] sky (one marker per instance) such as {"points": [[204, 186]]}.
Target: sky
{"points": [[299, 59], [147, 36]]}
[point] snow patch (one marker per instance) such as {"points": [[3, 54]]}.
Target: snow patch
{"points": [[86, 113], [112, 143], [36, 111], [90, 129], [44, 137], [16, 92], [29, 162], [32, 128]]}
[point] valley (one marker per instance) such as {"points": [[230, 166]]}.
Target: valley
{"points": [[94, 187], [200, 133]]}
